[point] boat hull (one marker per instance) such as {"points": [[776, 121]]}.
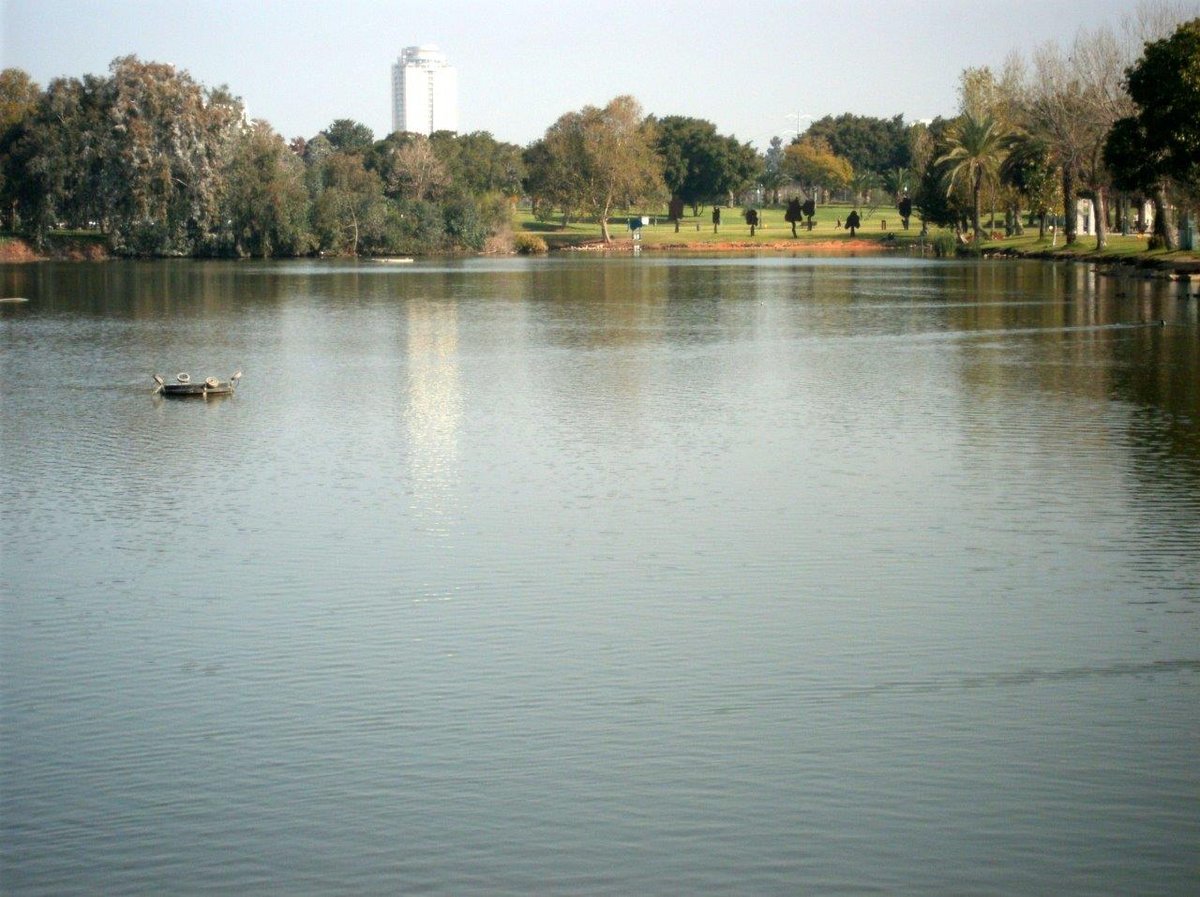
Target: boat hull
{"points": [[185, 388], [197, 390]]}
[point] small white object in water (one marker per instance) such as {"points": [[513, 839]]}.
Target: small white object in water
{"points": [[13, 299]]}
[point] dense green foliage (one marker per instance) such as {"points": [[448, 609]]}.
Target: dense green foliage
{"points": [[264, 197], [1158, 147], [868, 144], [164, 166], [1165, 86], [596, 160], [701, 166]]}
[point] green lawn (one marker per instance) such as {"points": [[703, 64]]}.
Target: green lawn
{"points": [[699, 229], [660, 233], [1119, 248]]}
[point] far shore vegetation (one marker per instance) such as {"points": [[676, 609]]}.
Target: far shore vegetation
{"points": [[881, 231], [1090, 151]]}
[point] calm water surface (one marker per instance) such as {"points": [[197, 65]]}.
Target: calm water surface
{"points": [[631, 576]]}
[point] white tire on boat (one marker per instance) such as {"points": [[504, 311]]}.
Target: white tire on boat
{"points": [[183, 378], [212, 382]]}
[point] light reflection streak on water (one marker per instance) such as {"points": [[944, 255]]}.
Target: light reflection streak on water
{"points": [[434, 408]]}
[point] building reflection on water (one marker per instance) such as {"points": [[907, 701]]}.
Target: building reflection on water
{"points": [[434, 408]]}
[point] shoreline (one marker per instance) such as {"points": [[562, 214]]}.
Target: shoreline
{"points": [[16, 250], [1176, 268], [831, 247]]}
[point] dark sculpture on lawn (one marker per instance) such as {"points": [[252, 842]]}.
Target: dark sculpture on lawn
{"points": [[675, 211], [810, 210], [793, 214]]}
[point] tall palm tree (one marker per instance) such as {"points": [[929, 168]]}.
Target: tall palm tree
{"points": [[861, 185], [898, 182], [978, 146], [772, 180]]}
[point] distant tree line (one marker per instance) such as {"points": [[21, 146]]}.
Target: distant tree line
{"points": [[162, 165], [1113, 118]]}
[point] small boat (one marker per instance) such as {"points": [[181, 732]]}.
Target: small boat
{"points": [[183, 386], [393, 261]]}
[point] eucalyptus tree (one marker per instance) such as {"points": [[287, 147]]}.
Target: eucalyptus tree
{"points": [[1101, 59], [56, 157], [549, 181], [349, 212], [1076, 97], [19, 96], [264, 201], [410, 167], [983, 92], [599, 159], [166, 140], [976, 149], [477, 163], [314, 151], [922, 152], [934, 203], [772, 180]]}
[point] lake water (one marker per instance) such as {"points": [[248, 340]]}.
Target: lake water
{"points": [[613, 576]]}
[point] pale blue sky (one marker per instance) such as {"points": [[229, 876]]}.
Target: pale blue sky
{"points": [[751, 67]]}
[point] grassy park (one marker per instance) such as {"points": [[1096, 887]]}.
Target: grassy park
{"points": [[881, 230], [697, 232], [1120, 249]]}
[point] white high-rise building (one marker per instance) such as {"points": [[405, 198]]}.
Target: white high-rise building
{"points": [[424, 92]]}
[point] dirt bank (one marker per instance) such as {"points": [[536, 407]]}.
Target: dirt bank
{"points": [[14, 249]]}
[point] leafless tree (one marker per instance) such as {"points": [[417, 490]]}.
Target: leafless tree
{"points": [[416, 171]]}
